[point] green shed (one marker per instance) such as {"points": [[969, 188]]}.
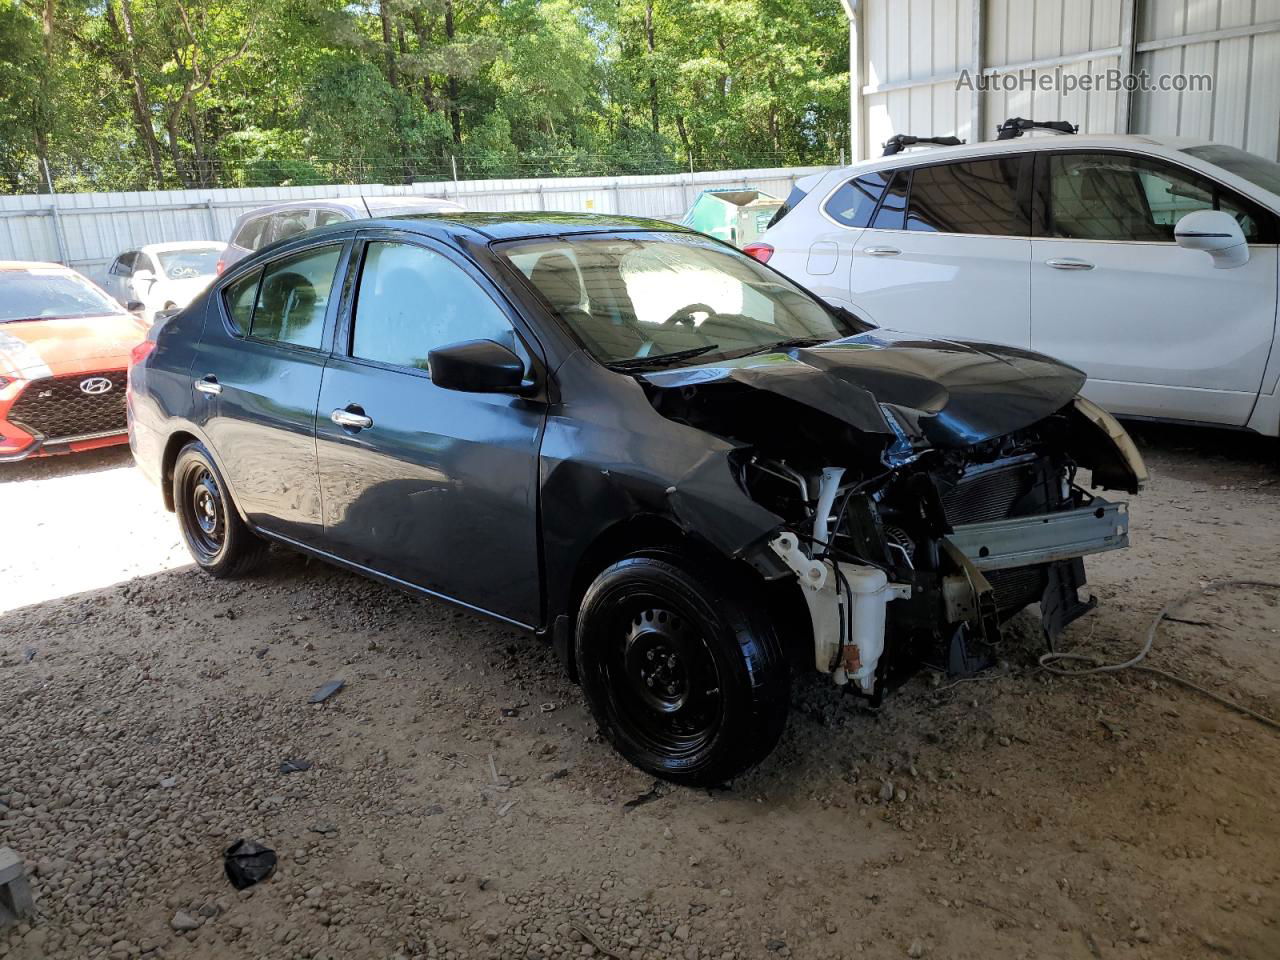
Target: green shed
{"points": [[736, 216]]}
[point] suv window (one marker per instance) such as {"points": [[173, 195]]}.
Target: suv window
{"points": [[239, 298], [894, 206], [293, 297], [290, 223], [978, 196], [856, 200], [412, 300], [1114, 197], [251, 235]]}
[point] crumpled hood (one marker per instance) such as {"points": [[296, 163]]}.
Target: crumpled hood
{"points": [[952, 394], [31, 349]]}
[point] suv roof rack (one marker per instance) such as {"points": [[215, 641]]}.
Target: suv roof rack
{"points": [[900, 142], [1016, 126]]}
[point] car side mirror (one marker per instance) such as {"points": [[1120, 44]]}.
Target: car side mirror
{"points": [[1217, 233], [476, 366], [136, 306]]}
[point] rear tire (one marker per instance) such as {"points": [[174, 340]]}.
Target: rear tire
{"points": [[221, 544], [683, 673]]}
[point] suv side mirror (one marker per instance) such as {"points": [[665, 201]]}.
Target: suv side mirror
{"points": [[1217, 233], [476, 366]]}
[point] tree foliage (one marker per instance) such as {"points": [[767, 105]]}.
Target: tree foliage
{"points": [[141, 94]]}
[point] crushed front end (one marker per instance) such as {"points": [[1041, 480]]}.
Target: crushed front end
{"points": [[928, 492], [924, 560]]}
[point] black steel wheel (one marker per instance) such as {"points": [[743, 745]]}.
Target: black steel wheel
{"points": [[218, 540], [685, 677]]}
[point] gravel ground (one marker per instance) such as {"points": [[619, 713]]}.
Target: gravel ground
{"points": [[459, 803]]}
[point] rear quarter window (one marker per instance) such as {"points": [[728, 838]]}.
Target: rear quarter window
{"points": [[250, 235], [854, 202]]}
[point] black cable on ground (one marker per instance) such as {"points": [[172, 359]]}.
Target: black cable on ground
{"points": [[1048, 661]]}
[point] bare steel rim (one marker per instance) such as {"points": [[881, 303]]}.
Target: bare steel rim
{"points": [[661, 676], [203, 512]]}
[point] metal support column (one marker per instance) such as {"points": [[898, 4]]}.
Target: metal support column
{"points": [[857, 126], [1128, 57], [978, 57]]}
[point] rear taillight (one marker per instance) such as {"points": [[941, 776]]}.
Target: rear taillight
{"points": [[760, 251], [141, 351], [222, 265]]}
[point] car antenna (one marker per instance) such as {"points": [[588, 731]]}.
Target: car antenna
{"points": [[1015, 126], [901, 141], [365, 201]]}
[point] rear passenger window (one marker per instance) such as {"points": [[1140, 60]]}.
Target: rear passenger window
{"points": [[250, 236], [239, 298], [894, 207], [856, 200], [980, 197], [294, 296], [326, 217]]}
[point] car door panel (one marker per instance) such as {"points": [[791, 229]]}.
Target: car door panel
{"points": [[440, 490], [947, 254], [255, 400], [1160, 331]]}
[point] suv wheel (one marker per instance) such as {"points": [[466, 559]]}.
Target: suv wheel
{"points": [[684, 675], [218, 540]]}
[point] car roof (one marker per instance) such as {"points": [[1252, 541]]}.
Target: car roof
{"points": [[1024, 144], [525, 224], [32, 265], [182, 245], [356, 203]]}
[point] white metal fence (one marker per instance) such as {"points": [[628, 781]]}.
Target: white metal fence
{"points": [[88, 230]]}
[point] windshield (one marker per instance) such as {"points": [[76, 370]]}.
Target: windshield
{"points": [[640, 297], [41, 294], [1265, 173], [184, 264]]}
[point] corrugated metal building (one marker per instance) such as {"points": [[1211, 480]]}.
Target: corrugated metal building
{"points": [[915, 64]]}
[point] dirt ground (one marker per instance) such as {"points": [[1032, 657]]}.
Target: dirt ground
{"points": [[460, 804]]}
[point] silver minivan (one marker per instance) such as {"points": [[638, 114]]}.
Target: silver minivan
{"points": [[279, 221]]}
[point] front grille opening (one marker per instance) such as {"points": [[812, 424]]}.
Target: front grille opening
{"points": [[59, 408]]}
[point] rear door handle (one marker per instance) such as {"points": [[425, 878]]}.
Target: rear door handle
{"points": [[1069, 263], [352, 418], [882, 251], [209, 385]]}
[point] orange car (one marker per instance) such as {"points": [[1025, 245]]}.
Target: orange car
{"points": [[64, 350]]}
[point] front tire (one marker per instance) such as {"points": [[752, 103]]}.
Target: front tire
{"points": [[684, 674], [217, 539]]}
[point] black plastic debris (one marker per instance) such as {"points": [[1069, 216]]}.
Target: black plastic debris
{"points": [[294, 765], [327, 691], [247, 863]]}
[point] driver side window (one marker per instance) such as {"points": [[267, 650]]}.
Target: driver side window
{"points": [[412, 300]]}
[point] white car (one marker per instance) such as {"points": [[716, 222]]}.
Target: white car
{"points": [[162, 276], [1149, 263]]}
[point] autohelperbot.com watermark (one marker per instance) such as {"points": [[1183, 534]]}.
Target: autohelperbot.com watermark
{"points": [[1058, 80]]}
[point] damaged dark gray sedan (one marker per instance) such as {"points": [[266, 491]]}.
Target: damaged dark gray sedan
{"points": [[689, 474]]}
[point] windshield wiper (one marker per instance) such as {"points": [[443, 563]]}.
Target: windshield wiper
{"points": [[662, 359], [797, 342]]}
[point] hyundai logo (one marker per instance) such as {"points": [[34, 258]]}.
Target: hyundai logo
{"points": [[95, 385]]}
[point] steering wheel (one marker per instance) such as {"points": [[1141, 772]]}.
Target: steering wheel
{"points": [[685, 314]]}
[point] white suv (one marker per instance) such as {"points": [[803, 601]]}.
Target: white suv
{"points": [[1149, 263]]}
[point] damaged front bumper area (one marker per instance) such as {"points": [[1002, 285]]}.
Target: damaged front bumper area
{"points": [[927, 561]]}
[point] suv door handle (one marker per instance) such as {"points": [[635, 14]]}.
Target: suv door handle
{"points": [[1069, 263], [352, 418], [882, 251], [210, 385]]}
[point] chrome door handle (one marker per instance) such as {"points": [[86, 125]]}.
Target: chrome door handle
{"points": [[1069, 263], [882, 251], [351, 419], [209, 385]]}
